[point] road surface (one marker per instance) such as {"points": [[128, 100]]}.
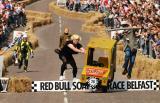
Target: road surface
{"points": [[46, 66]]}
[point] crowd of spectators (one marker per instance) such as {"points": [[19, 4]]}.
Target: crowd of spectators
{"points": [[12, 15], [143, 14], [83, 5]]}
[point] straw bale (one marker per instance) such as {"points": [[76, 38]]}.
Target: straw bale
{"points": [[71, 14], [20, 84]]}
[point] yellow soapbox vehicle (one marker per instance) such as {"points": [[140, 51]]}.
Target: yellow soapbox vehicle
{"points": [[100, 62]]}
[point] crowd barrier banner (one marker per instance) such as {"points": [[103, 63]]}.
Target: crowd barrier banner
{"points": [[1, 65], [61, 3], [17, 34], [4, 84]]}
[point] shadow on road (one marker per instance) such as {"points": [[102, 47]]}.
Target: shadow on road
{"points": [[28, 71], [109, 91]]}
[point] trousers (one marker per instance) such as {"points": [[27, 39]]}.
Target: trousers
{"points": [[68, 60]]}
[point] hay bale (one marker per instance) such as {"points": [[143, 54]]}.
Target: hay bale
{"points": [[29, 27], [95, 20], [93, 28], [38, 14], [120, 57], [20, 84], [30, 18], [158, 75], [8, 57], [85, 28], [34, 40], [38, 18], [89, 22], [146, 68], [27, 2], [120, 47], [38, 21], [70, 14], [100, 24]]}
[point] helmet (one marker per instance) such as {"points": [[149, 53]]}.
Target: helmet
{"points": [[25, 36]]}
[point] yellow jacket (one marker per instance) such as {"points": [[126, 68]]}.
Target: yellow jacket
{"points": [[24, 47]]}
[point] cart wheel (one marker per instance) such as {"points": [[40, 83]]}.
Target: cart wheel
{"points": [[104, 89], [92, 89]]}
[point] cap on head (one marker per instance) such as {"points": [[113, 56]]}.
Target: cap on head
{"points": [[75, 37]]}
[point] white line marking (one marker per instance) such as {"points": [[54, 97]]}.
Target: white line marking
{"points": [[65, 93], [60, 25], [60, 31], [60, 20], [65, 100]]}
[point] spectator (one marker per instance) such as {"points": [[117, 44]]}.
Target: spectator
{"points": [[77, 5], [131, 63], [144, 14], [127, 51], [70, 48], [12, 15], [140, 13], [66, 36]]}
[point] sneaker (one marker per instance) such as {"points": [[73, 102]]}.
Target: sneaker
{"points": [[64, 77], [25, 71], [75, 80], [129, 76], [25, 68], [61, 78], [124, 72]]}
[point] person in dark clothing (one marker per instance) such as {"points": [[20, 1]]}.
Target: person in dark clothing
{"points": [[127, 51], [71, 47], [132, 60], [64, 38], [130, 55]]}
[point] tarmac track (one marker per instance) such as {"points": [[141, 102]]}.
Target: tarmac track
{"points": [[46, 66]]}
